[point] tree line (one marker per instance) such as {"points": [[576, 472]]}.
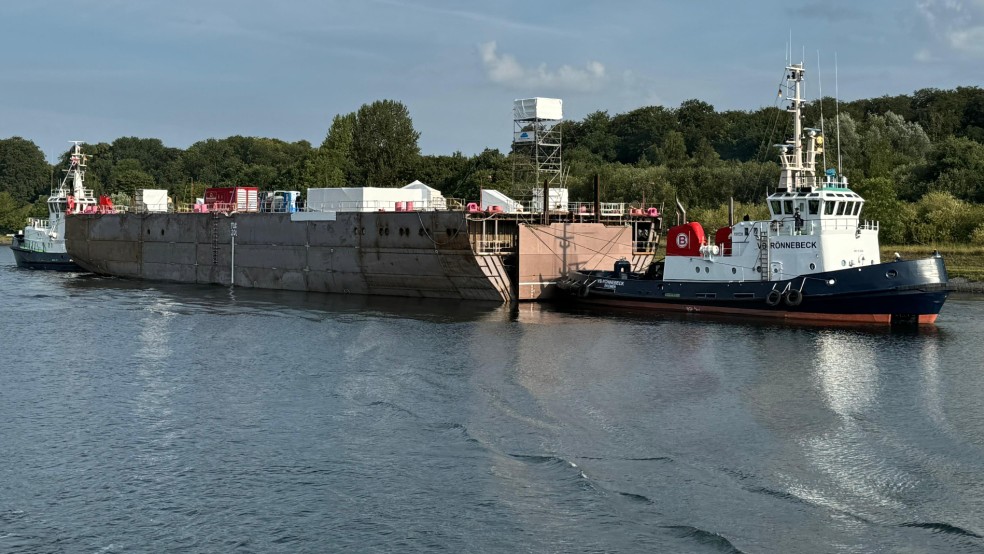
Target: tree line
{"points": [[917, 159]]}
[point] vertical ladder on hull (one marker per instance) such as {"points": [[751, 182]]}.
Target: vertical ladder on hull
{"points": [[763, 256], [215, 239]]}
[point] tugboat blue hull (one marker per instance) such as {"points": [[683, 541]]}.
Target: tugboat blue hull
{"points": [[895, 292]]}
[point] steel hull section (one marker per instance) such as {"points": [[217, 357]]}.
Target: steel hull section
{"points": [[546, 252], [895, 292], [415, 254]]}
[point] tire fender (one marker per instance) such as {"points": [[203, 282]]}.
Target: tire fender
{"points": [[793, 297], [773, 298]]}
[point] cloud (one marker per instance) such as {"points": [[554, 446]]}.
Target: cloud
{"points": [[505, 69], [957, 25]]}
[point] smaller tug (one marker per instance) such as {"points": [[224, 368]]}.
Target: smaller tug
{"points": [[41, 244], [815, 259]]}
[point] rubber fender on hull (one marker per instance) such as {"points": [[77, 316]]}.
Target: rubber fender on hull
{"points": [[793, 297], [773, 297]]}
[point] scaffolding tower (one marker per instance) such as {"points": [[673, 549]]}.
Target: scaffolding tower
{"points": [[536, 144]]}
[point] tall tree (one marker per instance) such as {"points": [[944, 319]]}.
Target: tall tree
{"points": [[699, 122], [12, 213], [331, 165], [639, 130], [889, 142], [24, 173], [384, 143]]}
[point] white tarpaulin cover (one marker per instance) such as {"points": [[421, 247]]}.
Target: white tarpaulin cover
{"points": [[538, 108], [491, 197], [362, 199], [558, 199], [432, 198]]}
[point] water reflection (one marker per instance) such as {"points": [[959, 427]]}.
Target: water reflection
{"points": [[153, 402], [191, 298], [847, 371]]}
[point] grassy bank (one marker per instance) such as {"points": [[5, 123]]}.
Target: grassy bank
{"points": [[4, 239], [962, 260]]}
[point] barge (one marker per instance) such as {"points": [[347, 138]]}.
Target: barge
{"points": [[465, 254]]}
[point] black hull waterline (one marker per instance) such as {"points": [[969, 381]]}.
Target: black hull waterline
{"points": [[47, 261], [911, 291]]}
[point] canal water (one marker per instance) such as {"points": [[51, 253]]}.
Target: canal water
{"points": [[147, 417]]}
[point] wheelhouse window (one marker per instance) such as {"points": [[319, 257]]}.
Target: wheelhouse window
{"points": [[841, 206], [776, 207], [787, 205], [857, 208], [828, 207], [814, 207]]}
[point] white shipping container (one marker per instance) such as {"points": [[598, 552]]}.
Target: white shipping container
{"points": [[247, 199], [150, 200]]}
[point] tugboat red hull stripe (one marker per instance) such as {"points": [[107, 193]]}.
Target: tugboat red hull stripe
{"points": [[923, 319]]}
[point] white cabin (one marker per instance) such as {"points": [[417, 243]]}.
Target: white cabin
{"points": [[815, 223]]}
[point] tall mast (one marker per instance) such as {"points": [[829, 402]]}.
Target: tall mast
{"points": [[796, 172], [796, 107]]}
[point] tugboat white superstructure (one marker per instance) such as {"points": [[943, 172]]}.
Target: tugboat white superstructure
{"points": [[814, 259], [41, 245]]}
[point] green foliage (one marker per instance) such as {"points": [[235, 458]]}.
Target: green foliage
{"points": [[954, 165], [639, 130], [939, 218], [889, 142], [748, 135], [845, 144], [129, 180], [977, 235], [592, 135], [717, 217], [24, 173], [672, 150], [269, 164], [460, 177], [384, 144], [882, 205], [698, 123], [12, 214], [100, 162], [121, 199], [332, 164], [157, 160]]}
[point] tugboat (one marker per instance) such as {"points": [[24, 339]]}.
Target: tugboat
{"points": [[813, 260], [41, 244]]}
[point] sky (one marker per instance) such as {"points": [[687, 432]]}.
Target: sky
{"points": [[188, 70]]}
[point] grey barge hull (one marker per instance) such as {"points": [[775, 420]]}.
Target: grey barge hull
{"points": [[441, 254]]}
